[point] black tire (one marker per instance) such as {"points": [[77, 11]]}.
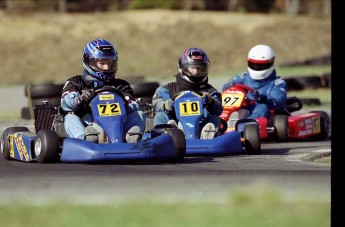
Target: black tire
{"points": [[252, 143], [25, 113], [43, 90], [145, 88], [47, 146], [179, 142], [311, 101], [293, 84], [53, 101], [327, 80], [5, 143], [310, 81], [325, 123], [281, 127]]}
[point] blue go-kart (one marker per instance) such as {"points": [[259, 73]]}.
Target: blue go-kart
{"points": [[49, 143], [188, 108]]}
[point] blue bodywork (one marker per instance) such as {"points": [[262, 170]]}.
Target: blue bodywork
{"points": [[109, 112], [189, 112]]}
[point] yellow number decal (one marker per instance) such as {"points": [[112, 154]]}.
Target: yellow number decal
{"points": [[316, 124], [230, 100], [189, 108], [109, 109]]}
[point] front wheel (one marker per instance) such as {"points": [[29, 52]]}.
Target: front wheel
{"points": [[179, 143], [281, 127], [47, 146], [252, 143]]}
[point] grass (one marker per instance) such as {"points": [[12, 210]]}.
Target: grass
{"points": [[265, 207], [47, 46]]}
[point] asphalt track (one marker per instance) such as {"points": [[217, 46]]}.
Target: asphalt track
{"points": [[286, 167]]}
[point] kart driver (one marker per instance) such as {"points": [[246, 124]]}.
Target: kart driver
{"points": [[270, 90], [192, 76], [99, 61]]}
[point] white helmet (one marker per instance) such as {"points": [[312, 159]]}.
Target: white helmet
{"points": [[260, 62]]}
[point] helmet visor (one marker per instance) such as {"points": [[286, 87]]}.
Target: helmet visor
{"points": [[259, 65], [104, 65], [197, 70]]}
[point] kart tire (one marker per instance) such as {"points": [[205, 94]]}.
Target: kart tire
{"points": [[179, 142], [43, 90], [311, 101], [327, 80], [325, 124], [145, 88], [252, 143], [5, 143], [47, 146], [53, 101], [312, 81], [281, 127], [25, 113], [293, 84]]}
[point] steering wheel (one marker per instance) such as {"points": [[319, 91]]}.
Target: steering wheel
{"points": [[111, 89], [179, 93], [244, 87]]}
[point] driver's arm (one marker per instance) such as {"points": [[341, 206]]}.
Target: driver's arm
{"points": [[160, 96], [70, 94], [277, 96], [127, 90], [238, 79], [215, 107]]}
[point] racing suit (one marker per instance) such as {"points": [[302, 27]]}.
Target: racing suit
{"points": [[272, 92], [168, 91], [79, 116]]}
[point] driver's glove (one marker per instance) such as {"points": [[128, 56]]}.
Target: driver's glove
{"points": [[168, 105], [206, 98], [85, 96], [258, 97]]}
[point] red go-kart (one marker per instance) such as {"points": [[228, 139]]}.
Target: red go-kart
{"points": [[282, 126]]}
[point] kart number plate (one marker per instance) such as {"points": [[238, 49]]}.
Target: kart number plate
{"points": [[189, 108], [232, 100], [316, 124], [109, 109]]}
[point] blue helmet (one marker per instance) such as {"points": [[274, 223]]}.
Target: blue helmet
{"points": [[100, 60], [194, 65]]}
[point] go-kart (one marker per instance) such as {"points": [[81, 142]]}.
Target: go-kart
{"points": [[282, 126], [188, 108], [49, 143]]}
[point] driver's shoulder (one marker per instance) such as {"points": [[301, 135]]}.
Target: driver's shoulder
{"points": [[279, 81]]}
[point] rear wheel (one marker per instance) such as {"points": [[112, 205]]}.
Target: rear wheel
{"points": [[5, 143], [281, 128], [47, 146], [252, 143], [179, 142], [325, 123]]}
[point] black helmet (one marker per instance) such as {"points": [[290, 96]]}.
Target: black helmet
{"points": [[194, 64]]}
